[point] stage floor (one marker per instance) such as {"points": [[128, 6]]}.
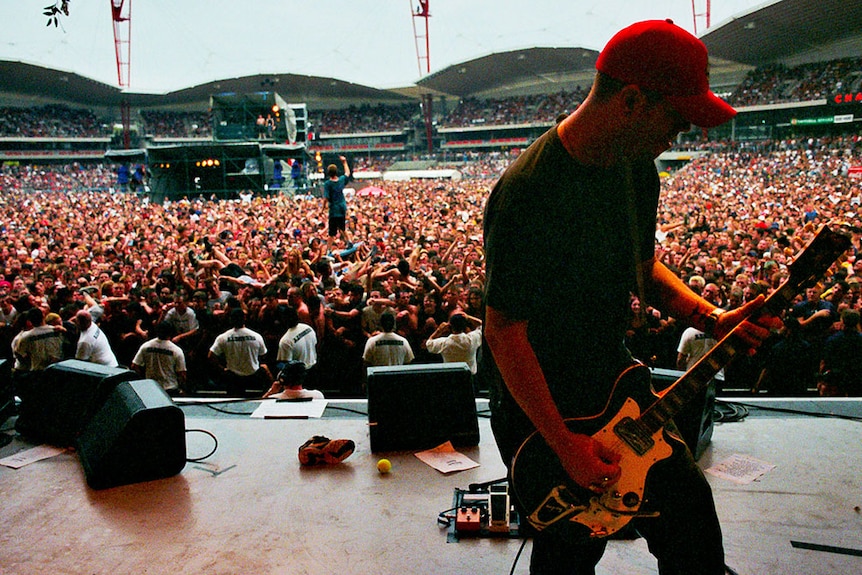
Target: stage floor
{"points": [[250, 508]]}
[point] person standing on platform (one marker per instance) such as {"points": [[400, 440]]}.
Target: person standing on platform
{"points": [[238, 354], [333, 194], [124, 176], [297, 174], [590, 188]]}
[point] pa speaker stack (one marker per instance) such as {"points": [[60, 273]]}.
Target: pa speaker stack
{"points": [[415, 407]]}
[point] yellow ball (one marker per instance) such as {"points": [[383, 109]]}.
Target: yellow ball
{"points": [[384, 466]]}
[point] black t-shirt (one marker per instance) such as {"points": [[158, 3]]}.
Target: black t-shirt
{"points": [[560, 254], [841, 355]]}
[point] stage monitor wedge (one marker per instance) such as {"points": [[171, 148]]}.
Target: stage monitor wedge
{"points": [[58, 402], [414, 407], [138, 435]]}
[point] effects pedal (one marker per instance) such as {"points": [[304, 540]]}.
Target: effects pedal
{"points": [[499, 506], [468, 520], [485, 510]]}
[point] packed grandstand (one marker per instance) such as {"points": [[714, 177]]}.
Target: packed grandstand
{"points": [[737, 206]]}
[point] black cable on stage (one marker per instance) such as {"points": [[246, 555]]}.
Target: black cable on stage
{"points": [[215, 445], [227, 411], [727, 412], [218, 401], [518, 556], [801, 412], [444, 520], [212, 405]]}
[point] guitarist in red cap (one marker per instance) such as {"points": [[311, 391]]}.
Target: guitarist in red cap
{"points": [[590, 188]]}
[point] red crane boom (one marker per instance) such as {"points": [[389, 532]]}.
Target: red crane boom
{"points": [[121, 15]]}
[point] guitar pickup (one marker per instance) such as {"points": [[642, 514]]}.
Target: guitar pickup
{"points": [[634, 435]]}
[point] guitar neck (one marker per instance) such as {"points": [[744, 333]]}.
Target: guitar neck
{"points": [[812, 263], [694, 381]]}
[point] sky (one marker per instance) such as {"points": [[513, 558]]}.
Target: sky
{"points": [[176, 44]]}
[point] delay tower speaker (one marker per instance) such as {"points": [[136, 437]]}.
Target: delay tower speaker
{"points": [[137, 435], [58, 402], [414, 407]]}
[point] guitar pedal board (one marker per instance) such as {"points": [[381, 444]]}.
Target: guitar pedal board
{"points": [[483, 511]]}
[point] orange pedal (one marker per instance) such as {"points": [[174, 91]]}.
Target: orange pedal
{"points": [[468, 519]]}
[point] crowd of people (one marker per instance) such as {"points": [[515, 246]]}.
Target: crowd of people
{"points": [[74, 177], [730, 223], [543, 108], [365, 118], [51, 121], [130, 258], [164, 124], [778, 83]]}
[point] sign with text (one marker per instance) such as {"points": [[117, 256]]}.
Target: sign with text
{"points": [[848, 98]]}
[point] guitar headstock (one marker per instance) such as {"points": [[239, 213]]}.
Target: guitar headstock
{"points": [[817, 257]]}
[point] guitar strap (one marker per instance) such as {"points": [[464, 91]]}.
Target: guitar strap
{"points": [[633, 229]]}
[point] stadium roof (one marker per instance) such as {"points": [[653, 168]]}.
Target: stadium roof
{"points": [[38, 83], [534, 70], [789, 31]]}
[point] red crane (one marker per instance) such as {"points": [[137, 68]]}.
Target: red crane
{"points": [[705, 14], [423, 49], [121, 15], [422, 52]]}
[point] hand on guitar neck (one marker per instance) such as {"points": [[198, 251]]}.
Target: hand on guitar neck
{"points": [[755, 323]]}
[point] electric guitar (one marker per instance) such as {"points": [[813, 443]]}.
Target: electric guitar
{"points": [[632, 423]]}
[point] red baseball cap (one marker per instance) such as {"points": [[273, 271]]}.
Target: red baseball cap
{"points": [[659, 56]]}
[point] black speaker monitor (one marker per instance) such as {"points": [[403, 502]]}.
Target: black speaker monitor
{"points": [[58, 402], [138, 435], [414, 407], [695, 419]]}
